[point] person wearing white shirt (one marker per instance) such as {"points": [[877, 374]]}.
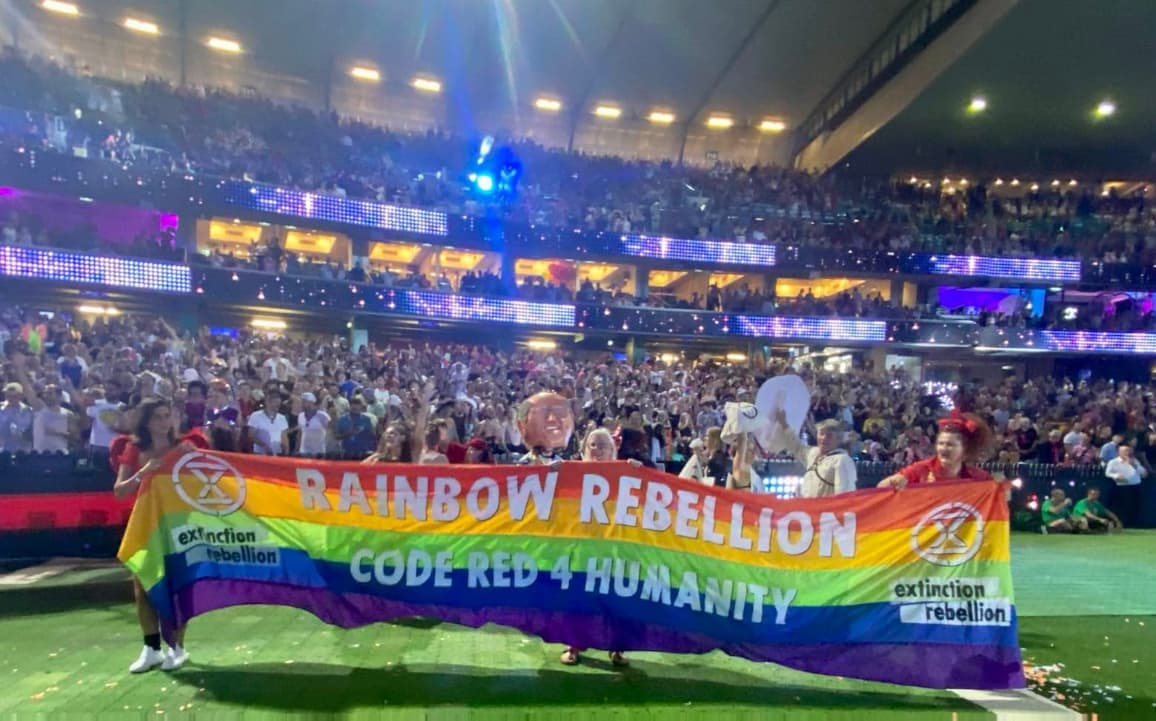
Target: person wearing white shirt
{"points": [[279, 366], [695, 468], [269, 427], [828, 469], [104, 415], [313, 426], [51, 423], [1127, 497]]}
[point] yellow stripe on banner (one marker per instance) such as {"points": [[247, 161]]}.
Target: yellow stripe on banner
{"points": [[787, 551]]}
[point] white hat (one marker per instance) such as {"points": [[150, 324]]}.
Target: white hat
{"points": [[191, 375], [307, 396], [696, 444]]}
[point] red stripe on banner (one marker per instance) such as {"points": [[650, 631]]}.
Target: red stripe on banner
{"points": [[34, 512]]}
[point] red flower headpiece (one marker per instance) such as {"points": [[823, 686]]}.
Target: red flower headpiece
{"points": [[958, 423]]}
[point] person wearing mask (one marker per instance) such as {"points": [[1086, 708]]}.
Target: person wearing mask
{"points": [[962, 441], [1127, 473], [830, 470]]}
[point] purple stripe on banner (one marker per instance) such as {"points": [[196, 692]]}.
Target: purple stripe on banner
{"points": [[926, 665]]}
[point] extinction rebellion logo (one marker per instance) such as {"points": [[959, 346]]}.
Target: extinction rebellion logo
{"points": [[949, 535], [209, 484]]}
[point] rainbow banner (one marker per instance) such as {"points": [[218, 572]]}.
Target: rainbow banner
{"points": [[910, 587]]}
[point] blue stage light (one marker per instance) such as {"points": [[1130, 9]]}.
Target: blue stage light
{"points": [[484, 183]]}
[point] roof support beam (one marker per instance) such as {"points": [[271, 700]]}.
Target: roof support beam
{"points": [[890, 99], [599, 65], [741, 48]]}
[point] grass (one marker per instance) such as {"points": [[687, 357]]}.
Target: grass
{"points": [[65, 643]]}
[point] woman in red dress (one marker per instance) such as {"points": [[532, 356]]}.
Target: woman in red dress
{"points": [[962, 441], [135, 460]]}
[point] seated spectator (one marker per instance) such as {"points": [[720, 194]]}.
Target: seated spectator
{"points": [[1095, 514], [1057, 514], [1051, 450]]}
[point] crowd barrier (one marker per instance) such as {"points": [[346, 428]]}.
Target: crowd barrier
{"points": [[55, 504]]}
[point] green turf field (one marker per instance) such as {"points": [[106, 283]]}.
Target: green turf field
{"points": [[1088, 624]]}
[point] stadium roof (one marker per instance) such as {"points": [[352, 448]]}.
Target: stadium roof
{"points": [[1042, 70], [753, 58]]}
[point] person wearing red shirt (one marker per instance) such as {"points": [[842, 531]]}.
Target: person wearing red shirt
{"points": [[154, 438], [962, 440]]}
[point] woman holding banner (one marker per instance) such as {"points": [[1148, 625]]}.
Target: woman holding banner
{"points": [[962, 441], [153, 438], [598, 447]]}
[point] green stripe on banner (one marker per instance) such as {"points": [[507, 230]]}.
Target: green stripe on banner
{"points": [[337, 544]]}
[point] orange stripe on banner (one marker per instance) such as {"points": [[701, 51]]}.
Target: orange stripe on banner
{"points": [[879, 509]]}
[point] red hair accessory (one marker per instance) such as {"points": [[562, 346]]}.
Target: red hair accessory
{"points": [[958, 422]]}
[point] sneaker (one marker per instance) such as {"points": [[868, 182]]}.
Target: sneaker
{"points": [[149, 659], [174, 659]]}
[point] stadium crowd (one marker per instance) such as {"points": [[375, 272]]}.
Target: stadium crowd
{"points": [[212, 132], [70, 384]]}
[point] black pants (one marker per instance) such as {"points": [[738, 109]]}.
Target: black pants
{"points": [[1127, 503]]}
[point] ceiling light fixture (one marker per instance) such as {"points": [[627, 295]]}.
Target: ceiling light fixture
{"points": [[427, 85], [367, 74], [141, 26], [59, 7], [224, 45]]}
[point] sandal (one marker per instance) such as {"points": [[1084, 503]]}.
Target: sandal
{"points": [[569, 657], [617, 659]]}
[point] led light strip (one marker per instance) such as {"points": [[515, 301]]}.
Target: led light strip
{"points": [[1045, 269], [460, 307], [23, 262], [1091, 341], [833, 329], [318, 206], [703, 251]]}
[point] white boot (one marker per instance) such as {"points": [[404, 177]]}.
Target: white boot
{"points": [[149, 659], [174, 659]]}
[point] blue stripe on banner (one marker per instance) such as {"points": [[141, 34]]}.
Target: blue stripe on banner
{"points": [[861, 623]]}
